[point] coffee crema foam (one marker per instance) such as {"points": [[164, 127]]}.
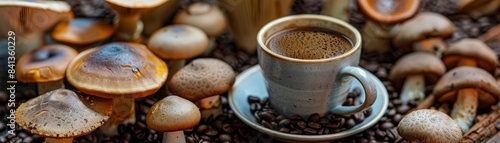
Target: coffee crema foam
{"points": [[309, 43]]}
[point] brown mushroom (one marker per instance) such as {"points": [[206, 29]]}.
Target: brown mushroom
{"points": [[413, 71], [129, 12], [46, 66], [424, 32], [82, 32], [477, 8], [382, 16], [467, 87], [172, 115], [176, 43], [205, 17], [122, 71], [29, 20], [203, 78], [471, 52], [429, 126], [62, 115], [155, 18], [337, 8]]}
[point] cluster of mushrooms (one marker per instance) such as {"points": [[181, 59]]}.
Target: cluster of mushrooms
{"points": [[461, 73], [105, 79]]}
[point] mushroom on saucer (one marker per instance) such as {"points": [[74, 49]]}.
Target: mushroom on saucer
{"points": [[429, 126], [383, 16], [172, 115], [122, 71], [46, 66], [176, 43], [477, 8], [82, 32], [62, 115], [468, 87], [424, 32], [471, 52], [413, 71], [202, 79]]}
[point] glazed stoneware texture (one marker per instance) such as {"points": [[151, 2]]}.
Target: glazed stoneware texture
{"points": [[308, 86]]}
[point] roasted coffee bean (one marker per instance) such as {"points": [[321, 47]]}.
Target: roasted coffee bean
{"points": [[254, 107], [396, 118], [218, 124], [2, 126], [296, 117], [314, 118], [284, 122], [380, 134], [266, 124], [243, 132], [359, 117], [253, 99], [348, 102], [284, 130], [225, 137], [313, 125], [390, 112], [301, 124], [267, 116], [296, 131], [140, 135], [4, 97], [27, 140], [280, 117], [205, 142], [190, 139], [202, 128], [350, 123], [211, 132], [323, 121], [386, 125], [224, 101], [227, 128], [403, 109], [333, 125], [309, 131], [392, 133], [205, 138], [368, 111]]}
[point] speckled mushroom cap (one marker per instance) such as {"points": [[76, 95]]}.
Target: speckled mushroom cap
{"points": [[82, 31], [62, 113], [422, 26], [208, 18], [202, 78], [423, 63], [44, 64], [429, 126], [133, 6], [178, 42], [173, 113], [473, 49], [117, 69], [389, 11], [467, 77]]}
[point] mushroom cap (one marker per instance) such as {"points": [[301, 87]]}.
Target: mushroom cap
{"points": [[178, 42], [173, 113], [82, 31], [429, 126], [423, 63], [44, 64], [62, 113], [422, 26], [467, 77], [389, 11], [117, 69], [32, 16], [478, 7], [208, 18], [133, 6], [473, 49], [202, 78]]}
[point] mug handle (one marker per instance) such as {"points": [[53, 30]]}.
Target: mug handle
{"points": [[369, 87]]}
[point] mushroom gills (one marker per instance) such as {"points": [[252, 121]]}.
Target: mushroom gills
{"points": [[413, 88], [44, 87], [464, 109]]}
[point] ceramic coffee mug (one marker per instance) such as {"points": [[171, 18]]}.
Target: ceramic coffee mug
{"points": [[308, 86]]}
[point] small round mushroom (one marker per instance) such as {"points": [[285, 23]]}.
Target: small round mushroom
{"points": [[29, 20], [82, 32], [176, 43], [129, 13], [424, 32], [468, 87], [208, 18], [122, 71], [413, 71], [201, 79], [172, 115], [477, 8], [62, 115], [383, 15], [155, 18], [471, 52], [46, 66], [429, 126]]}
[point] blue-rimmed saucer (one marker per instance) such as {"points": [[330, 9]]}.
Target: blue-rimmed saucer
{"points": [[251, 82]]}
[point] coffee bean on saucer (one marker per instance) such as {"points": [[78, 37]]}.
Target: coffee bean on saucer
{"points": [[296, 131], [284, 122], [310, 131], [267, 116], [284, 130], [296, 117], [301, 124], [314, 118], [359, 117], [313, 125], [350, 123], [253, 99], [266, 124]]}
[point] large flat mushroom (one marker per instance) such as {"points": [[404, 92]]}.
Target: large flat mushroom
{"points": [[383, 16], [122, 71], [29, 20], [471, 52], [62, 115], [425, 32], [468, 87], [45, 66], [429, 126], [80, 33], [413, 71]]}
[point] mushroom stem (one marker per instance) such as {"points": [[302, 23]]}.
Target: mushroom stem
{"points": [[210, 106], [130, 27], [434, 45], [54, 140], [174, 66], [174, 137], [377, 37], [27, 42], [123, 113], [337, 8], [155, 18], [413, 88], [44, 87], [211, 45], [464, 109]]}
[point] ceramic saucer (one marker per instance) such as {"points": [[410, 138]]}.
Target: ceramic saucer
{"points": [[251, 82]]}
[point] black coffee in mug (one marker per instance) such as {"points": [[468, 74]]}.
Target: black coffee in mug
{"points": [[309, 43]]}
